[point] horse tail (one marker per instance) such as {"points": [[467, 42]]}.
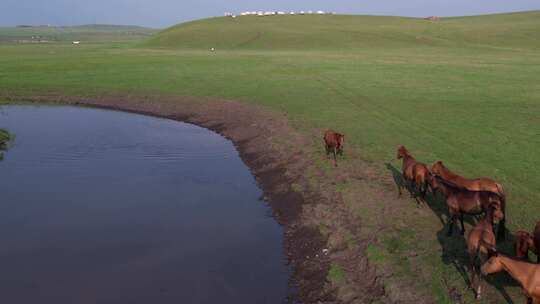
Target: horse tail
{"points": [[536, 241], [500, 190], [501, 231]]}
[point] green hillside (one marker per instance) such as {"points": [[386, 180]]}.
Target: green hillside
{"points": [[335, 32]]}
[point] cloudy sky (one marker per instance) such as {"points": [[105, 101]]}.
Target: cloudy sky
{"points": [[162, 13]]}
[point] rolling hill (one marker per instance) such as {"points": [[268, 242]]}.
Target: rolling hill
{"points": [[342, 32]]}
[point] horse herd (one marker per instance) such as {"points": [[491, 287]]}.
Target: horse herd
{"points": [[466, 196]]}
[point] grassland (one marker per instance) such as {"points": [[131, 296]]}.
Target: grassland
{"points": [[88, 33], [464, 90]]}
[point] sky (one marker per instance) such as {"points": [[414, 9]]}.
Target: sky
{"points": [[164, 13]]}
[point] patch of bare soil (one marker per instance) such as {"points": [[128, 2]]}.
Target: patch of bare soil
{"points": [[322, 230]]}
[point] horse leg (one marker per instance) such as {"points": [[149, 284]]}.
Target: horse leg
{"points": [[501, 229], [480, 278], [412, 189], [420, 189], [404, 184], [478, 285], [408, 185], [475, 278], [335, 157], [418, 202], [416, 193], [462, 226], [472, 273], [423, 194], [451, 225]]}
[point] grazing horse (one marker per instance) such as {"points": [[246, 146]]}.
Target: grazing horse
{"points": [[460, 201], [415, 174], [524, 243], [480, 240], [333, 142], [526, 274], [476, 184]]}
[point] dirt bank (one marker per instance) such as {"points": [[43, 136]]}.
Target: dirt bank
{"points": [[323, 239]]}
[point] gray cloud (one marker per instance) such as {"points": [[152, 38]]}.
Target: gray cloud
{"points": [[162, 13]]}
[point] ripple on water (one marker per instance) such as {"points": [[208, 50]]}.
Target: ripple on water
{"points": [[109, 207]]}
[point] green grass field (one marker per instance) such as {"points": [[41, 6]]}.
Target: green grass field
{"points": [[88, 33], [464, 90]]}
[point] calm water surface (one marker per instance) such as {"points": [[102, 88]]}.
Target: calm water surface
{"points": [[100, 206]]}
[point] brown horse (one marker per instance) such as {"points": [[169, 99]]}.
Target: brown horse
{"points": [[523, 244], [422, 178], [480, 240], [475, 184], [461, 202], [333, 142], [415, 174], [526, 274]]}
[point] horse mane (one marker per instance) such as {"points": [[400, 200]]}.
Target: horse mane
{"points": [[449, 183], [536, 237], [333, 133], [501, 190], [447, 171], [405, 151], [513, 258]]}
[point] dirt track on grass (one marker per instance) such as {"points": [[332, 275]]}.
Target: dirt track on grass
{"points": [[320, 229]]}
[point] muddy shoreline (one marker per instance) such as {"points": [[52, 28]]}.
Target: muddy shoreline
{"points": [[263, 140]]}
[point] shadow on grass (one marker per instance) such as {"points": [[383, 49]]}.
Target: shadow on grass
{"points": [[454, 248], [434, 202], [403, 185]]}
